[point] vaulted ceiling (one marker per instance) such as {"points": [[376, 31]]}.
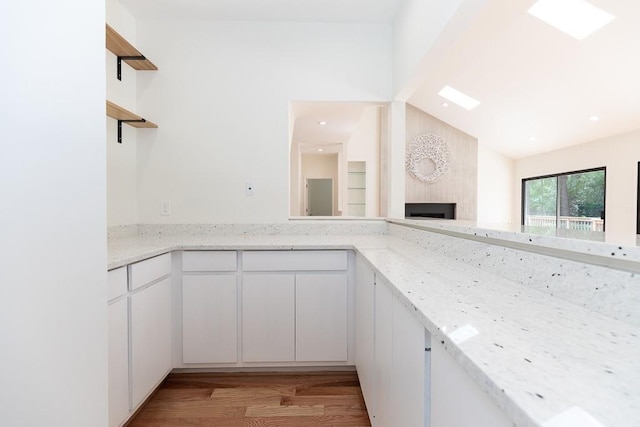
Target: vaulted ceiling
{"points": [[537, 86]]}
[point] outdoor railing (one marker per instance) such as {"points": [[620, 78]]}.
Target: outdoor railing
{"points": [[566, 222]]}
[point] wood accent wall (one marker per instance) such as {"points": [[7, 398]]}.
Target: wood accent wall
{"points": [[460, 184]]}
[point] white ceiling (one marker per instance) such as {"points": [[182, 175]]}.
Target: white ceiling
{"points": [[370, 11], [535, 81], [341, 119]]}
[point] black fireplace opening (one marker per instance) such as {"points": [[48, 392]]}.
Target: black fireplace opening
{"points": [[430, 210]]}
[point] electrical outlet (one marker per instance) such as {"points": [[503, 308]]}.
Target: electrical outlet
{"points": [[165, 207], [249, 188]]}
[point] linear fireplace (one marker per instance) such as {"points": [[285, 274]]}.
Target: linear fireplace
{"points": [[430, 210]]}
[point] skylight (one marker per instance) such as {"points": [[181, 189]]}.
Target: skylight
{"points": [[459, 98], [574, 17]]}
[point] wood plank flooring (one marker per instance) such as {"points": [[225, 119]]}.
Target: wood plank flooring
{"points": [[256, 400]]}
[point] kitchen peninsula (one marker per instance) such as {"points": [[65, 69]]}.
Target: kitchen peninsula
{"points": [[547, 329]]}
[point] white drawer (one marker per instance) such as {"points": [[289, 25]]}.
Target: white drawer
{"points": [[117, 282], [209, 261], [294, 260], [149, 270]]}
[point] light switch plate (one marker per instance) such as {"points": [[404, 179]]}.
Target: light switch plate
{"points": [[165, 207]]}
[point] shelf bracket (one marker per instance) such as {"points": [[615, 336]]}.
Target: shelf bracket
{"points": [[127, 58], [120, 127]]}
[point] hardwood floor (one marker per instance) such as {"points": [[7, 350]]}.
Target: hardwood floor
{"points": [[256, 400]]}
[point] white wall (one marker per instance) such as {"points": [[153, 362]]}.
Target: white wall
{"points": [[53, 311], [416, 27], [459, 184], [619, 154], [495, 187], [364, 146], [221, 101], [122, 179]]}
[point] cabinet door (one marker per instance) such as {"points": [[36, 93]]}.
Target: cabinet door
{"points": [[383, 408], [364, 317], [209, 319], [150, 339], [268, 318], [456, 399], [408, 371], [118, 363], [321, 317]]}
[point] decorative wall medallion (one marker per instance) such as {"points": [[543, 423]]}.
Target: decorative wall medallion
{"points": [[428, 146]]}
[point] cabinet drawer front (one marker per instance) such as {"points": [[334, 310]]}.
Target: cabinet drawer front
{"points": [[294, 260], [149, 270], [117, 280], [209, 261]]}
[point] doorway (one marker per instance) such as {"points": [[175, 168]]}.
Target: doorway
{"points": [[319, 197]]}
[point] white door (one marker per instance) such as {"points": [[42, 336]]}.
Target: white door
{"points": [[321, 317], [118, 363], [364, 318], [209, 319], [150, 339], [268, 317], [456, 399], [383, 355], [320, 197], [408, 373]]}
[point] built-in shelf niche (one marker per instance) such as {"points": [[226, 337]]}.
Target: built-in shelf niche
{"points": [[356, 188]]}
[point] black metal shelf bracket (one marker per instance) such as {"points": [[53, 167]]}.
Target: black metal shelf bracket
{"points": [[120, 127], [127, 58]]}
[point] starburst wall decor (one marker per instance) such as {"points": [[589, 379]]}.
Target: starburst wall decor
{"points": [[428, 146]]}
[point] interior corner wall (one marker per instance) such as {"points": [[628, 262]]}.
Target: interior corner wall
{"points": [[122, 178], [619, 154], [53, 292], [416, 27], [364, 146], [496, 181], [221, 101], [460, 184]]}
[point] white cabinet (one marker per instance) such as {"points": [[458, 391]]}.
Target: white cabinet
{"points": [[118, 347], [321, 317], [268, 317], [364, 334], [209, 319], [294, 260], [295, 306], [408, 394], [456, 399], [391, 359], [150, 338], [209, 307], [144, 272], [383, 330]]}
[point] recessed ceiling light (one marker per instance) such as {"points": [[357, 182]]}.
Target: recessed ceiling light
{"points": [[322, 123], [594, 118], [320, 150], [574, 17], [445, 104], [459, 98], [533, 138]]}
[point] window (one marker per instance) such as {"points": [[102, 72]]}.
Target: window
{"points": [[572, 200]]}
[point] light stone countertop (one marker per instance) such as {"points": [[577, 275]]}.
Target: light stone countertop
{"points": [[536, 355]]}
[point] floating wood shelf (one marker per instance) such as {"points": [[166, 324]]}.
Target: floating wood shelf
{"points": [[120, 47], [125, 116]]}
